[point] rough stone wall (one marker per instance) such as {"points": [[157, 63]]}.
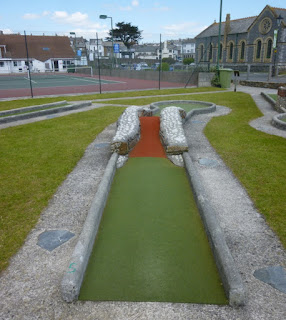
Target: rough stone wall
{"points": [[171, 130]]}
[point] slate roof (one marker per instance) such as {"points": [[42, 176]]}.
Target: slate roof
{"points": [[239, 25], [41, 48], [236, 26]]}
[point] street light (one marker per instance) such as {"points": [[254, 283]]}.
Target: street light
{"points": [[219, 37], [103, 16], [275, 43]]}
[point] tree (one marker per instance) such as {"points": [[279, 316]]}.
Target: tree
{"points": [[188, 60], [126, 33], [169, 60]]}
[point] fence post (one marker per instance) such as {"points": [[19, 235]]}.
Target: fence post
{"points": [[248, 71]]}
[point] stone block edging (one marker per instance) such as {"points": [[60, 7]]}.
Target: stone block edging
{"points": [[44, 112], [278, 123], [72, 279], [269, 99], [230, 276], [171, 130], [128, 128], [31, 108]]}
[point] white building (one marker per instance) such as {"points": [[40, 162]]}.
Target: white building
{"points": [[46, 53]]}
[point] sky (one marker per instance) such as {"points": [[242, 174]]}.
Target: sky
{"points": [[172, 19]]}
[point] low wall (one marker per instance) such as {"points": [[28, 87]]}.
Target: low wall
{"points": [[169, 76], [205, 78], [260, 84]]}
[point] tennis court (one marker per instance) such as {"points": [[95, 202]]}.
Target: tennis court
{"points": [[22, 81], [18, 85]]}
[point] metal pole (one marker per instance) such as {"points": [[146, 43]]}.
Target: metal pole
{"points": [[112, 49], [98, 64], [29, 72], [219, 36], [160, 62]]}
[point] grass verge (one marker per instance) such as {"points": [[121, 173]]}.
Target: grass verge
{"points": [[14, 104], [35, 159], [256, 158]]}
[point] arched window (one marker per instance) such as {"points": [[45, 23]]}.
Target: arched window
{"points": [[220, 51], [201, 52], [269, 48], [258, 49], [242, 50], [211, 52], [230, 53]]}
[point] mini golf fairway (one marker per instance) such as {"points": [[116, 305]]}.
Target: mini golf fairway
{"points": [[151, 244]]}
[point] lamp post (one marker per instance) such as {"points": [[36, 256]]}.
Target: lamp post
{"points": [[73, 33], [103, 16], [219, 36], [275, 43]]}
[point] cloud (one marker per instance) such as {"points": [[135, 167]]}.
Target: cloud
{"points": [[76, 18], [184, 28], [31, 16], [7, 31], [135, 3]]}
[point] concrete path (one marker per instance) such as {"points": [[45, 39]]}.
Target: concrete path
{"points": [[263, 123], [30, 287]]}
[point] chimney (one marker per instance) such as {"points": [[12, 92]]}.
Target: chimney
{"points": [[226, 28]]}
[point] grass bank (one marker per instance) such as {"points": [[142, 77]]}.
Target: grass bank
{"points": [[15, 104], [256, 158], [35, 159]]}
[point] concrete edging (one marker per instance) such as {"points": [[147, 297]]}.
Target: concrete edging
{"points": [[72, 280], [269, 99], [43, 112], [38, 107], [279, 124], [230, 276]]}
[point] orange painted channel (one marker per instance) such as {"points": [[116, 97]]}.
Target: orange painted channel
{"points": [[149, 144]]}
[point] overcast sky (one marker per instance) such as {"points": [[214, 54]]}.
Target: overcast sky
{"points": [[173, 19]]}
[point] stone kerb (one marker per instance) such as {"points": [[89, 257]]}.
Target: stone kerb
{"points": [[171, 130], [281, 100], [128, 129], [277, 121]]}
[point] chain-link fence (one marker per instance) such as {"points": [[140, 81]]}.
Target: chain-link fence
{"points": [[49, 64]]}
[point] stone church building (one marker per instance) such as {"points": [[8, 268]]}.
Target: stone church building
{"points": [[256, 41]]}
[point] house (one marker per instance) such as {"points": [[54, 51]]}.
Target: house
{"points": [[254, 40], [95, 49], [188, 48], [79, 46], [146, 51], [46, 53]]}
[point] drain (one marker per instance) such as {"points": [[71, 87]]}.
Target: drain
{"points": [[208, 162]]}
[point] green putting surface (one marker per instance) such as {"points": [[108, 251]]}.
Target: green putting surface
{"points": [[151, 244]]}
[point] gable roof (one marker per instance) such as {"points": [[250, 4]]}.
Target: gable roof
{"points": [[240, 25], [236, 26], [40, 47]]}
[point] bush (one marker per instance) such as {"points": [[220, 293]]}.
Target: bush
{"points": [[165, 66], [215, 82], [188, 60]]}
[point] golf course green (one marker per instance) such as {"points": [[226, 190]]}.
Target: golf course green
{"points": [[151, 244]]}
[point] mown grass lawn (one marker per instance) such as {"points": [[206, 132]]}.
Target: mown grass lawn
{"points": [[14, 104], [35, 159]]}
